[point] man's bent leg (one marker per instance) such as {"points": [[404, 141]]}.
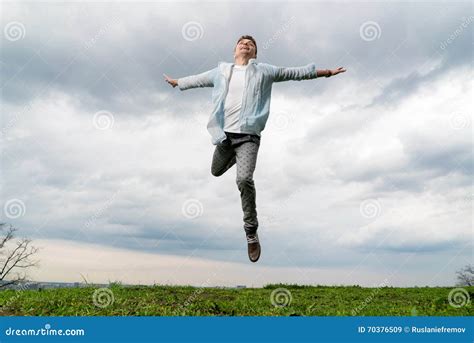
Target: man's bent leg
{"points": [[223, 159], [246, 154]]}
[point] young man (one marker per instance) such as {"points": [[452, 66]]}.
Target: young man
{"points": [[241, 97]]}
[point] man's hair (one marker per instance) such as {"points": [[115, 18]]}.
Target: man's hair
{"points": [[250, 38]]}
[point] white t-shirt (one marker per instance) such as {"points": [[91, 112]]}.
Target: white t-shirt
{"points": [[233, 100]]}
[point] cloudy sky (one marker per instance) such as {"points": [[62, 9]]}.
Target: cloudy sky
{"points": [[364, 178]]}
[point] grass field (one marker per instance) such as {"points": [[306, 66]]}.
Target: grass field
{"points": [[272, 300]]}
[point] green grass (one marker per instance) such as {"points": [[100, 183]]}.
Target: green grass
{"points": [[191, 301]]}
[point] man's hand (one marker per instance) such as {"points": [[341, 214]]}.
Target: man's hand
{"points": [[329, 72], [171, 81], [337, 71]]}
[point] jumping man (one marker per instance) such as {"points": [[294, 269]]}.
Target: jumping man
{"points": [[241, 98]]}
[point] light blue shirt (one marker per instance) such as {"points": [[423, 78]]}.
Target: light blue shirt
{"points": [[255, 110]]}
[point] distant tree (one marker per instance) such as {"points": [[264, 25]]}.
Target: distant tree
{"points": [[15, 259], [466, 276]]}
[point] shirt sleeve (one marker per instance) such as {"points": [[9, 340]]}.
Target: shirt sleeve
{"points": [[306, 72], [205, 79]]}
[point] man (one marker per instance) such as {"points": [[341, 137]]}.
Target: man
{"points": [[241, 98]]}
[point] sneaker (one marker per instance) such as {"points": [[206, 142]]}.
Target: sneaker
{"points": [[253, 246]]}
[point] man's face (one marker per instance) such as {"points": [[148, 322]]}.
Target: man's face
{"points": [[245, 48]]}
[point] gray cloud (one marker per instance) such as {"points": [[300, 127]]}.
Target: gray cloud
{"points": [[115, 61]]}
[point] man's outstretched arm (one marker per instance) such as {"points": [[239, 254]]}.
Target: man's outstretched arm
{"points": [[205, 79], [307, 72]]}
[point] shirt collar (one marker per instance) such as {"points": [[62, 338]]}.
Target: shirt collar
{"points": [[251, 61]]}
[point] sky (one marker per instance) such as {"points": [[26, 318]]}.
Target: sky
{"points": [[362, 178]]}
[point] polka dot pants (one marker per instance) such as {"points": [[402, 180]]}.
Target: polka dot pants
{"points": [[240, 149]]}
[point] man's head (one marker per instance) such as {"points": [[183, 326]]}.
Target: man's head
{"points": [[246, 46]]}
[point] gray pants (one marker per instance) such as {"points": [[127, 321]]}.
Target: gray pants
{"points": [[241, 149]]}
